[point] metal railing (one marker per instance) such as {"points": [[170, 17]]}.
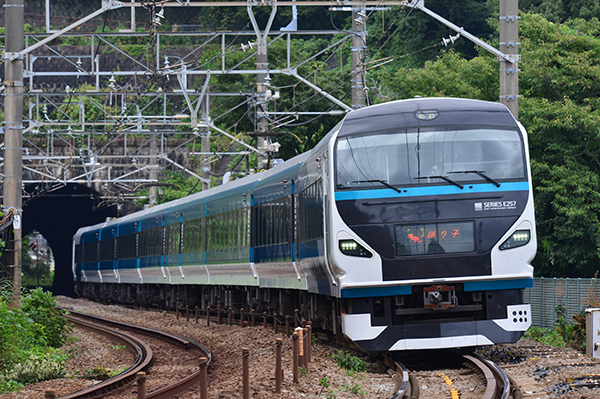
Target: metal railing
{"points": [[571, 294]]}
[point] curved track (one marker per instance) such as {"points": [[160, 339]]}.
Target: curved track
{"points": [[144, 357], [137, 347], [498, 385]]}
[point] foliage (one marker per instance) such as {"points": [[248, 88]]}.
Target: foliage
{"points": [[573, 333], [36, 368], [99, 373], [7, 386], [349, 362], [28, 338], [354, 389], [567, 209], [560, 110], [173, 185], [449, 76], [562, 10], [546, 336], [302, 371], [414, 37], [39, 305]]}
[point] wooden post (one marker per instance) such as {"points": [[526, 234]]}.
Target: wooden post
{"points": [[309, 340], [203, 378], [245, 373], [278, 369], [141, 385], [295, 355], [305, 344]]}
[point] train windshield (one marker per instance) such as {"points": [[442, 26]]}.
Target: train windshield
{"points": [[429, 156]]}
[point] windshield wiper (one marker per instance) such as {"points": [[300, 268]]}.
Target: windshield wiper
{"points": [[480, 173], [378, 181], [446, 178]]}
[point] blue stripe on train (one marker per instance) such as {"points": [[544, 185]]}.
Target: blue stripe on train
{"points": [[489, 285], [429, 190]]}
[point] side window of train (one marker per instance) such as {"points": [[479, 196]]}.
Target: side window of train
{"points": [[79, 253], [127, 246], [272, 222], [153, 242], [310, 212], [90, 252], [192, 235], [106, 249]]}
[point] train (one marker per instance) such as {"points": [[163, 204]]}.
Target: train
{"points": [[409, 226]]}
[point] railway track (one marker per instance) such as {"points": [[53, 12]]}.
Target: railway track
{"points": [[132, 337], [497, 384]]}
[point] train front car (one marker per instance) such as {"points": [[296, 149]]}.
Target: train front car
{"points": [[434, 231]]}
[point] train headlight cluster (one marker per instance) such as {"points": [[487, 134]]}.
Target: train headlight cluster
{"points": [[517, 239], [352, 248]]}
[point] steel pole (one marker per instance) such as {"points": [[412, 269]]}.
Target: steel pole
{"points": [[509, 44], [153, 191], [359, 40]]}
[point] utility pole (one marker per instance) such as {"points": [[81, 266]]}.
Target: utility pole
{"points": [[262, 81], [153, 190], [359, 41], [13, 134], [509, 44], [262, 107], [205, 140]]}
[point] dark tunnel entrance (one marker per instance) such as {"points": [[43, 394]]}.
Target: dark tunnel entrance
{"points": [[57, 216]]}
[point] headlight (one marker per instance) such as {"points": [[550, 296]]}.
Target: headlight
{"points": [[352, 248], [517, 239]]}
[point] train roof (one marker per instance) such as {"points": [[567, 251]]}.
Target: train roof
{"points": [[424, 112], [245, 184]]}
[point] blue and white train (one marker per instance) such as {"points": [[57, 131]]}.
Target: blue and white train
{"points": [[409, 226]]}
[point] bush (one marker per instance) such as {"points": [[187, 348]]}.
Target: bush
{"points": [[17, 336], [28, 338], [39, 305], [545, 336], [42, 367], [349, 362], [9, 386]]}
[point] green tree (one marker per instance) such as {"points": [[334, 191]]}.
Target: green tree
{"points": [[562, 10]]}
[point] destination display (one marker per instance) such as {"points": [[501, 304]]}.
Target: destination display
{"points": [[435, 238]]}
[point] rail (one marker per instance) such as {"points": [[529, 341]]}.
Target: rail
{"points": [[137, 347], [168, 391], [497, 383]]}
